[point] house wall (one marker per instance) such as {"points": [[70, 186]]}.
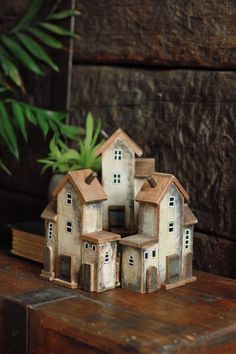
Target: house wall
{"points": [[186, 251], [90, 256], [151, 261], [132, 276], [148, 220], [52, 243], [170, 243], [138, 183], [69, 243], [118, 194], [106, 278], [92, 218]]}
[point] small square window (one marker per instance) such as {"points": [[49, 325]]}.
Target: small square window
{"points": [[154, 253], [50, 230], [171, 226], [69, 198], [131, 261], [146, 255], [69, 227], [118, 154], [106, 260], [116, 178], [171, 202], [86, 245], [94, 247]]}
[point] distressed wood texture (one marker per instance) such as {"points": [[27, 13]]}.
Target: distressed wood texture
{"points": [[183, 118], [169, 33], [201, 316]]}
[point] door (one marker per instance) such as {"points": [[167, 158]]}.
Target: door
{"points": [[116, 217], [172, 268], [151, 279], [188, 265], [88, 276], [64, 268]]}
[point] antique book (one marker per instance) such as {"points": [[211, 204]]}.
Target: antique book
{"points": [[28, 240]]}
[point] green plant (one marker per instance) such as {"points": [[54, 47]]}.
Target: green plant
{"points": [[62, 158], [24, 46]]}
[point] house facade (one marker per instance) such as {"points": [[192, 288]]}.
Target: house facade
{"points": [[166, 219], [118, 175]]}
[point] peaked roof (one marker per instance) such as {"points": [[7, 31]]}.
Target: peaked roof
{"points": [[89, 192], [119, 133], [154, 195], [50, 212], [189, 217]]}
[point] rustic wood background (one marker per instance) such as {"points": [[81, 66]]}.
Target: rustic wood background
{"points": [[164, 71]]}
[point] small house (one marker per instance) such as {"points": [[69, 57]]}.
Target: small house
{"points": [[164, 218], [76, 210], [99, 261], [118, 174]]}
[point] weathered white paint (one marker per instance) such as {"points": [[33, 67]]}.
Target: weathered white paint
{"points": [[188, 250], [69, 243], [138, 183], [92, 218], [151, 261], [148, 220], [132, 276], [119, 194], [106, 271], [170, 243]]}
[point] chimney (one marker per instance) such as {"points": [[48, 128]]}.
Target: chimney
{"points": [[89, 179], [152, 182], [104, 134]]}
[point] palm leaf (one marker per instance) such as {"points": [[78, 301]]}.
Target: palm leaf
{"points": [[19, 118], [36, 50], [46, 39], [7, 131], [19, 53], [63, 14], [58, 30], [30, 15]]}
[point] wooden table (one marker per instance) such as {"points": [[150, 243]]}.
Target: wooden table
{"points": [[38, 317]]}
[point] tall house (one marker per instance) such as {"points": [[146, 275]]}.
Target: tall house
{"points": [[118, 174], [77, 210], [164, 215]]}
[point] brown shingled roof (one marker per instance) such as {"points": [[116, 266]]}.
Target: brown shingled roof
{"points": [[155, 195], [144, 167], [100, 237], [189, 217], [119, 133], [89, 192], [50, 212]]}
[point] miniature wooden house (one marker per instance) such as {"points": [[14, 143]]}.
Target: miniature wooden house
{"points": [[139, 263], [78, 211], [99, 261], [118, 174], [164, 217]]}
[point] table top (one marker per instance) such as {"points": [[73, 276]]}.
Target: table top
{"points": [[200, 316]]}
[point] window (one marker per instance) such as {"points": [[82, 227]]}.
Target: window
{"points": [[94, 247], [131, 261], [86, 245], [171, 226], [106, 257], [50, 230], [154, 253], [187, 235], [118, 154], [171, 202], [69, 227], [69, 198], [146, 255], [116, 178]]}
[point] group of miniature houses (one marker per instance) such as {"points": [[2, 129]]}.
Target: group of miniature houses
{"points": [[134, 230]]}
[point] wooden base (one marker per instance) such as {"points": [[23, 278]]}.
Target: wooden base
{"points": [[47, 275], [178, 283], [64, 283]]}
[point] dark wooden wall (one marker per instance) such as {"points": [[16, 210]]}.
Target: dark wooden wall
{"points": [[164, 71]]}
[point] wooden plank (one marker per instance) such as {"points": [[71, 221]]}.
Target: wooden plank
{"points": [[197, 320], [166, 33]]}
